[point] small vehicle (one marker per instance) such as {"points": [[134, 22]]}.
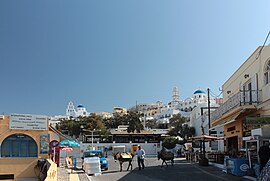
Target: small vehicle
{"points": [[96, 153]]}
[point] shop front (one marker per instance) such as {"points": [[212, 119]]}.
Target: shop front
{"points": [[233, 133], [24, 140], [252, 143]]}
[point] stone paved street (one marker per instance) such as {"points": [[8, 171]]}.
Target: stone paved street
{"points": [[62, 174], [182, 170]]}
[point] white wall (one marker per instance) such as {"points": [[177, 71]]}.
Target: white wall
{"points": [[151, 149]]}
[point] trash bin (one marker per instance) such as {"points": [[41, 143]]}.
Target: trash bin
{"points": [[237, 166]]}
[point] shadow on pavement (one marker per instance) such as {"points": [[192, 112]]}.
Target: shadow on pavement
{"points": [[112, 171], [182, 170]]}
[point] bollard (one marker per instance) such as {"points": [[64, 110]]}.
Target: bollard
{"points": [[74, 163]]}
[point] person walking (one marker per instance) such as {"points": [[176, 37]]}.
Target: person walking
{"points": [[264, 155], [140, 157]]}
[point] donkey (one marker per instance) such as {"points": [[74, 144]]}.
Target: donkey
{"points": [[124, 157], [164, 155]]}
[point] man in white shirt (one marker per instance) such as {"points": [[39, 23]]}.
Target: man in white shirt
{"points": [[140, 156]]}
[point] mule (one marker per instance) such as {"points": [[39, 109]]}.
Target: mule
{"points": [[124, 157], [164, 155]]}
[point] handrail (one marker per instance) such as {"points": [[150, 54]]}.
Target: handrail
{"points": [[241, 98]]}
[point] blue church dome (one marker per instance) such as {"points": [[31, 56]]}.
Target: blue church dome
{"points": [[199, 92], [80, 106]]}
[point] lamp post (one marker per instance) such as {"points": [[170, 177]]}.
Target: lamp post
{"points": [[82, 132], [92, 138]]}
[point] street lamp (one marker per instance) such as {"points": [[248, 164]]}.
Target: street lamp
{"points": [[82, 132], [92, 137]]}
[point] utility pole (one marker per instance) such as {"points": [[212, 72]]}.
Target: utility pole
{"points": [[208, 93]]}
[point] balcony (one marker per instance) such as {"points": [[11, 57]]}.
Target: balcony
{"points": [[242, 98]]}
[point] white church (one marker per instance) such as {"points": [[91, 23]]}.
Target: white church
{"points": [[189, 108], [79, 111]]}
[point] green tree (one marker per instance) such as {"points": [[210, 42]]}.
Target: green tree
{"points": [[178, 128], [151, 124], [134, 122], [115, 121], [177, 120], [169, 142], [72, 126]]}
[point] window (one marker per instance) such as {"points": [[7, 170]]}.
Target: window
{"points": [[19, 145], [267, 73]]}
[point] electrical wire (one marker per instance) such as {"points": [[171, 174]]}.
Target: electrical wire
{"points": [[214, 95], [263, 45]]}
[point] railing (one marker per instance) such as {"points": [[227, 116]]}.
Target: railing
{"points": [[247, 97], [250, 97]]}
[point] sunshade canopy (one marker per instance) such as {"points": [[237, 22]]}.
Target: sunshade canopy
{"points": [[69, 143], [207, 138]]}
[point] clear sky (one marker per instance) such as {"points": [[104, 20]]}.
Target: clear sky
{"points": [[104, 54]]}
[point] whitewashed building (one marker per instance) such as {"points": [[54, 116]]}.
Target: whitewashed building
{"points": [[79, 111], [149, 110], [185, 107]]}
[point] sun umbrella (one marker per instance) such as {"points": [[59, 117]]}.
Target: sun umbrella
{"points": [[66, 148], [69, 143], [206, 138]]}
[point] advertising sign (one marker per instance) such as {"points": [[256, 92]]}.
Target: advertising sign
{"points": [[257, 120], [28, 122], [44, 143]]}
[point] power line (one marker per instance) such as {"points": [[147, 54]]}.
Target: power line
{"points": [[214, 95], [263, 45]]}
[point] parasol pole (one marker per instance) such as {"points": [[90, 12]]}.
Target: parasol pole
{"points": [[203, 148], [54, 154]]}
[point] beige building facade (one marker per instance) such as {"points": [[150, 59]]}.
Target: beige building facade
{"points": [[246, 96], [22, 148]]}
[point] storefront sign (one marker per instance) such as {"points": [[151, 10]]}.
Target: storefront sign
{"points": [[28, 122], [44, 143], [54, 143], [257, 120]]}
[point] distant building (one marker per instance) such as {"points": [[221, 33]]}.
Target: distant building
{"points": [[198, 97], [104, 115], [119, 110], [80, 111], [149, 110], [185, 107]]}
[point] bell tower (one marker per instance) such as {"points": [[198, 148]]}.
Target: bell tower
{"points": [[175, 97], [70, 111]]}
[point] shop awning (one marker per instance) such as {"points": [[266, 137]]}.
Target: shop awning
{"points": [[229, 119], [207, 138]]}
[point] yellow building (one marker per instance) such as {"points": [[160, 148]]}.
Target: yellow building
{"points": [[24, 139], [119, 110], [246, 96]]}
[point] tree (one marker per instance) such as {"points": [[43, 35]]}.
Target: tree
{"points": [[169, 142], [72, 126], [177, 120], [151, 124], [134, 122], [178, 128], [132, 119], [116, 120]]}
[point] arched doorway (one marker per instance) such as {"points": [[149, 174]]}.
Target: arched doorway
{"points": [[19, 145]]}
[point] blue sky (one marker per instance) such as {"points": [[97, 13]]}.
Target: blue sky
{"points": [[104, 54]]}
